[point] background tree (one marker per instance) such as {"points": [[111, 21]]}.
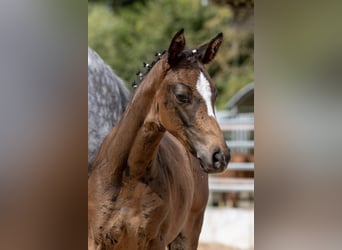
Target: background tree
{"points": [[128, 33]]}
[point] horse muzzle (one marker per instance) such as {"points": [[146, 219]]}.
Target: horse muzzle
{"points": [[215, 162]]}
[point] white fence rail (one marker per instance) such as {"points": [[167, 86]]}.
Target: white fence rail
{"points": [[243, 166], [218, 184], [239, 128]]}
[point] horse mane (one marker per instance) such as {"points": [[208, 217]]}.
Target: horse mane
{"points": [[148, 67], [187, 54]]}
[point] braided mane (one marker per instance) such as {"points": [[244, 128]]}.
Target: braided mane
{"points": [[148, 67], [186, 54]]}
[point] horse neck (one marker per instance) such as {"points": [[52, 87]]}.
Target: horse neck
{"points": [[132, 145]]}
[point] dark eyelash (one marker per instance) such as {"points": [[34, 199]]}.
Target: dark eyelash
{"points": [[182, 98]]}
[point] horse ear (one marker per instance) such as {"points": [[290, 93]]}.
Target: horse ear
{"points": [[208, 51], [176, 47]]}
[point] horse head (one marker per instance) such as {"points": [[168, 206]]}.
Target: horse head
{"points": [[184, 102]]}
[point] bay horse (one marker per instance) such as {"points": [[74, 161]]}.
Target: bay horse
{"points": [[107, 99], [148, 188]]}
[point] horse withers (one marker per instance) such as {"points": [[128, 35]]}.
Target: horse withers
{"points": [[148, 189], [107, 99]]}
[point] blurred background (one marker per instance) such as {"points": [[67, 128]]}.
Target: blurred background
{"points": [[43, 127], [126, 33]]}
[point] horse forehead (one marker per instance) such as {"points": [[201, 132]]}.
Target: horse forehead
{"points": [[186, 75]]}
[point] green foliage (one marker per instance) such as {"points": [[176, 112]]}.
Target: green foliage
{"points": [[127, 36]]}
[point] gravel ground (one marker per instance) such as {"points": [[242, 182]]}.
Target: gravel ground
{"points": [[214, 246], [227, 227]]}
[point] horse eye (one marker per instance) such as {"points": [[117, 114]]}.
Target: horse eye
{"points": [[182, 98]]}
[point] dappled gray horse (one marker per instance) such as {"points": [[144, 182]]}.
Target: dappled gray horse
{"points": [[107, 99]]}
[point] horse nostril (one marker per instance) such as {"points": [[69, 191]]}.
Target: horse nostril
{"points": [[218, 159]]}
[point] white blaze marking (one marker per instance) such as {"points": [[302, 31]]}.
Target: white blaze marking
{"points": [[203, 87]]}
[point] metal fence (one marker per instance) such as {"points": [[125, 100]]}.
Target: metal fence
{"points": [[239, 134]]}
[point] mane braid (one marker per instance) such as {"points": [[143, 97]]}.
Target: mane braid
{"points": [[148, 66], [186, 53]]}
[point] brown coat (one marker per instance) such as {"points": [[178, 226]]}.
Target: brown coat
{"points": [[149, 185]]}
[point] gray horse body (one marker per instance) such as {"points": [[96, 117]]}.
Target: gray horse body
{"points": [[107, 99]]}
